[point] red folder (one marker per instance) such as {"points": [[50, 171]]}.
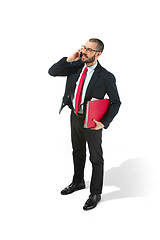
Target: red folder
{"points": [[95, 110]]}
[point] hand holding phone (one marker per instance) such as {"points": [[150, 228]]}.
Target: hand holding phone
{"points": [[75, 56]]}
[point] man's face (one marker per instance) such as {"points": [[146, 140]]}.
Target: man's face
{"points": [[88, 55]]}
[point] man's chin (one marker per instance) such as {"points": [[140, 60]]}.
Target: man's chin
{"points": [[84, 60]]}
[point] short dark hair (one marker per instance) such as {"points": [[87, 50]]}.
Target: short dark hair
{"points": [[100, 44]]}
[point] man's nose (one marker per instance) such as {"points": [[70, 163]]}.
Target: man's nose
{"points": [[84, 50]]}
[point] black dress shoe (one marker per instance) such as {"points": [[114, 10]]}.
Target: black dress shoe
{"points": [[73, 187], [92, 202]]}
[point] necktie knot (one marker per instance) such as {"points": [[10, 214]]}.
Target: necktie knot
{"points": [[85, 70]]}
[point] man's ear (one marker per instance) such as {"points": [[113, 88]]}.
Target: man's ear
{"points": [[99, 54]]}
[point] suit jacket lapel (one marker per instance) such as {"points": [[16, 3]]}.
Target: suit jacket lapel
{"points": [[92, 81], [74, 79]]}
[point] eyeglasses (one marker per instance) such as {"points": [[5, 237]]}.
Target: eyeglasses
{"points": [[89, 49]]}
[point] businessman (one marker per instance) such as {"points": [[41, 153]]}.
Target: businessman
{"points": [[87, 79]]}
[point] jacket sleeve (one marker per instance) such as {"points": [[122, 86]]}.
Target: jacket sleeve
{"points": [[64, 68], [115, 102], [61, 68]]}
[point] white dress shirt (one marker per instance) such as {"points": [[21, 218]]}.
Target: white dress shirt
{"points": [[88, 76]]}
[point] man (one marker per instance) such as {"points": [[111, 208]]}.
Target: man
{"points": [[87, 79]]}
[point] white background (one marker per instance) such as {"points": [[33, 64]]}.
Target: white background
{"points": [[35, 149]]}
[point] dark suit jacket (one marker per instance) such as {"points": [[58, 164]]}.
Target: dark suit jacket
{"points": [[102, 82]]}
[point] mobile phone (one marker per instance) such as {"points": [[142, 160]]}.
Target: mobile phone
{"points": [[80, 55]]}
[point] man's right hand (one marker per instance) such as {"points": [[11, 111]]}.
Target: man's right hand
{"points": [[75, 56]]}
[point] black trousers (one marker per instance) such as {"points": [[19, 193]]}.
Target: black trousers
{"points": [[79, 137]]}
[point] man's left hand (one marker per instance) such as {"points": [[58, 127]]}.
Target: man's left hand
{"points": [[98, 126]]}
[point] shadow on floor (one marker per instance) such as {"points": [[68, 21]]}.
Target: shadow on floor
{"points": [[132, 178]]}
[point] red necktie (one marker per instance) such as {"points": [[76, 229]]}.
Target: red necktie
{"points": [[79, 91]]}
